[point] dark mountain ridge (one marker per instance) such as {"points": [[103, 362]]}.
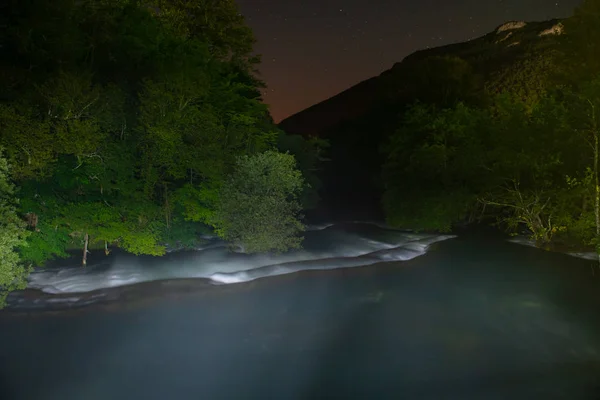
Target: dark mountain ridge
{"points": [[503, 45], [357, 120]]}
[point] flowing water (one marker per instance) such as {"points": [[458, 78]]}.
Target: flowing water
{"points": [[326, 246], [420, 317]]}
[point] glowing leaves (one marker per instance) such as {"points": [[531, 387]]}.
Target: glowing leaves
{"points": [[28, 144], [258, 205], [12, 236]]}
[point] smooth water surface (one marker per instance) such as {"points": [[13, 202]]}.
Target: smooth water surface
{"points": [[473, 318]]}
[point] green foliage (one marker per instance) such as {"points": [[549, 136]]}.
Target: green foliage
{"points": [[12, 236], [427, 211], [511, 155], [197, 202], [34, 153], [47, 242], [185, 235], [535, 210], [581, 45], [258, 205], [509, 160], [429, 160], [122, 120], [136, 230], [528, 78], [217, 21]]}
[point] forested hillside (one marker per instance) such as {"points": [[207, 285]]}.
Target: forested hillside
{"points": [[130, 124], [503, 128], [514, 57], [523, 151]]}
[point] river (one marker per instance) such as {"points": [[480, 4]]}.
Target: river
{"points": [[361, 313]]}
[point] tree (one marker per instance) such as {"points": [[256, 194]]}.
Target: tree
{"points": [[535, 210], [528, 78], [581, 44], [520, 161], [584, 118], [529, 153], [579, 50], [433, 167], [122, 120], [219, 22], [258, 205], [12, 235], [592, 128]]}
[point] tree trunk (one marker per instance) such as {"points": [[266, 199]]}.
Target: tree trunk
{"points": [[32, 220], [85, 249], [106, 251], [597, 185], [596, 179], [167, 209]]}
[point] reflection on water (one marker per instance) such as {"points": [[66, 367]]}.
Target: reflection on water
{"points": [[471, 319], [526, 241]]}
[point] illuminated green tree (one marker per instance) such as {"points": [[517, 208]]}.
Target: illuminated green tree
{"points": [[12, 236], [258, 205], [121, 119]]}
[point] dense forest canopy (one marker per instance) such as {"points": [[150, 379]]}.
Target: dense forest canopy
{"points": [[123, 123], [520, 58], [524, 151], [500, 128]]}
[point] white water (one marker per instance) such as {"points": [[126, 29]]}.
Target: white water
{"points": [[326, 247]]}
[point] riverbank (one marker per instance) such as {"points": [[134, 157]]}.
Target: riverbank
{"points": [[123, 280], [31, 302], [325, 247]]}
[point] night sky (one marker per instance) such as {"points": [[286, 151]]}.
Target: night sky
{"points": [[314, 49]]}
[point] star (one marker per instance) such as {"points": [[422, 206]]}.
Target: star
{"points": [[315, 49]]}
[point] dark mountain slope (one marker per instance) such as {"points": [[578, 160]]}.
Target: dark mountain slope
{"points": [[344, 106], [358, 120]]}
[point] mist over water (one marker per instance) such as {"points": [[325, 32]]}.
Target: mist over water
{"points": [[469, 318], [472, 318], [326, 246]]}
